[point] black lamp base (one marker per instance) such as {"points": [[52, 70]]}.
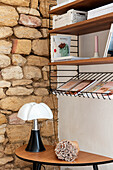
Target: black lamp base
{"points": [[35, 143]]}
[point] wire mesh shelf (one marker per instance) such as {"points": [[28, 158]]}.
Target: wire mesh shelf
{"points": [[98, 76]]}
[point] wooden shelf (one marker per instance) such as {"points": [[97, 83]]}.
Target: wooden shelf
{"points": [[49, 157], [100, 23], [92, 61], [83, 5]]}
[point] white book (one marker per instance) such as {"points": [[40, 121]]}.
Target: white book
{"points": [[61, 3], [60, 47], [66, 58], [109, 44], [100, 11]]}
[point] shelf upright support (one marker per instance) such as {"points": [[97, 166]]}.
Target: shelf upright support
{"points": [[78, 45], [50, 89], [78, 55]]}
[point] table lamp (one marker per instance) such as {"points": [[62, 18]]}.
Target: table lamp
{"points": [[34, 111]]}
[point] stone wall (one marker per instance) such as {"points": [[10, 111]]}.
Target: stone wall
{"points": [[24, 54]]}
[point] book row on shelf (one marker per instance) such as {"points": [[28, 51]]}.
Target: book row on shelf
{"points": [[76, 87]]}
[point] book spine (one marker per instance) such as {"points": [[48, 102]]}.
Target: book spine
{"points": [[108, 41]]}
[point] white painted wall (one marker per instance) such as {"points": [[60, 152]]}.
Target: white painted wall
{"points": [[89, 121]]}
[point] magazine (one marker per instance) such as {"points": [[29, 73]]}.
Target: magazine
{"points": [[68, 85], [109, 45], [101, 87], [82, 85], [95, 87], [106, 88], [60, 47]]}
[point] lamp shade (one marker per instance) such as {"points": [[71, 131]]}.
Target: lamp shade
{"points": [[31, 111]]}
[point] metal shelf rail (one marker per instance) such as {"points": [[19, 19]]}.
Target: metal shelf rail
{"points": [[98, 76]]}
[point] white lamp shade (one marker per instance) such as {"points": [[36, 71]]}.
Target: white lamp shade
{"points": [[31, 111]]}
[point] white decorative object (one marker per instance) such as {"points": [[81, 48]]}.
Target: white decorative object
{"points": [[72, 16], [96, 54]]}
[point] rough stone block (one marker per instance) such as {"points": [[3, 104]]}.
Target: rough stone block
{"points": [[21, 46], [6, 112], [5, 47], [25, 10], [45, 33], [2, 94], [41, 47], [44, 7], [4, 61], [37, 61], [8, 16], [18, 133], [29, 21], [10, 167], [1, 151], [3, 129], [15, 103], [2, 138], [14, 120], [21, 82], [45, 75], [10, 148], [5, 160], [32, 72], [45, 23], [12, 72], [41, 84], [18, 60], [26, 32], [4, 83], [19, 91], [48, 125], [5, 32], [34, 3], [16, 2], [41, 92]]}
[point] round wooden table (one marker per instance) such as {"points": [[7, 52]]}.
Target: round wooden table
{"points": [[48, 157]]}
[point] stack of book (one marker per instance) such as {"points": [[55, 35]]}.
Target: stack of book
{"points": [[100, 11]]}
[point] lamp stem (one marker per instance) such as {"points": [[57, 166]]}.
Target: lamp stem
{"points": [[35, 124]]}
